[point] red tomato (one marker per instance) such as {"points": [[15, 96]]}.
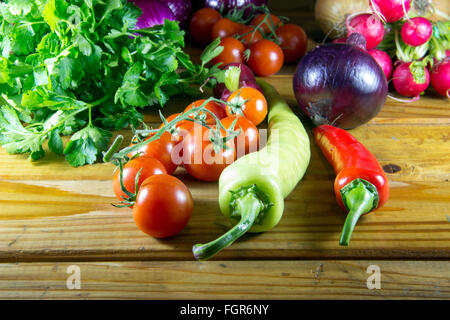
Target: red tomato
{"points": [[247, 141], [199, 157], [200, 26], [225, 28], [248, 102], [148, 166], [160, 149], [233, 51], [212, 106], [248, 35], [272, 22], [163, 206], [293, 42], [266, 58], [182, 128]]}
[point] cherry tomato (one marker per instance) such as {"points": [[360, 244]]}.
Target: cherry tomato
{"points": [[199, 157], [247, 141], [248, 35], [212, 106], [160, 149], [182, 128], [293, 42], [272, 22], [233, 51], [148, 166], [225, 28], [200, 26], [248, 102], [163, 206], [266, 58]]}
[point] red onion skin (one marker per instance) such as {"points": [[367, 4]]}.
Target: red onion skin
{"points": [[340, 84], [229, 4], [181, 9], [154, 12]]}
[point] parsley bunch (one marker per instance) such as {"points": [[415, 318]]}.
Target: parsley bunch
{"points": [[80, 68]]}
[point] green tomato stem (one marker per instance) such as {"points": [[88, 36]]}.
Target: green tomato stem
{"points": [[249, 206]]}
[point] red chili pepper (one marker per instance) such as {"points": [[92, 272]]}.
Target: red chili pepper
{"points": [[360, 185]]}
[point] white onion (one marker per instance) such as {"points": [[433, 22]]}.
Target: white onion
{"points": [[331, 15]]}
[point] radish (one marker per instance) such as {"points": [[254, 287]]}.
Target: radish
{"points": [[391, 10], [383, 60], [370, 26], [416, 31], [440, 77], [411, 78]]}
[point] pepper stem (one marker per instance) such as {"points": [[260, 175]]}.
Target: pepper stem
{"points": [[249, 206], [359, 197]]}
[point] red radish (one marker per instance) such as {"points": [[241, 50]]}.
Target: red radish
{"points": [[404, 82], [391, 10], [383, 60], [416, 31], [440, 77], [370, 26]]}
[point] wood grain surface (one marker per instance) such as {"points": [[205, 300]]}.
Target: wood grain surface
{"points": [[53, 215], [229, 280], [52, 212]]}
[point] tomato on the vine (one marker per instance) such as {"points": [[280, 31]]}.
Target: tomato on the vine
{"points": [[212, 106], [293, 42], [163, 206], [199, 157], [182, 127], [266, 58], [160, 149], [147, 166], [249, 35], [248, 102], [272, 22], [233, 51], [225, 28], [247, 141], [200, 26]]}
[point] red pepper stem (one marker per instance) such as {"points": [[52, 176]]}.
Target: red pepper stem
{"points": [[359, 197], [249, 206]]}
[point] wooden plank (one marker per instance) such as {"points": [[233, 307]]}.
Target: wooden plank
{"points": [[227, 280], [74, 225]]}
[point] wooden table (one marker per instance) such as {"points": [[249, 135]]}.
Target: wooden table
{"points": [[53, 216], [56, 220]]}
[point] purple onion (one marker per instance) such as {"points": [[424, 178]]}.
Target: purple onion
{"points": [[229, 4], [154, 12], [182, 10], [245, 75], [340, 84]]}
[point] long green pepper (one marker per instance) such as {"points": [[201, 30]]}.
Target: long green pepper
{"points": [[252, 189]]}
